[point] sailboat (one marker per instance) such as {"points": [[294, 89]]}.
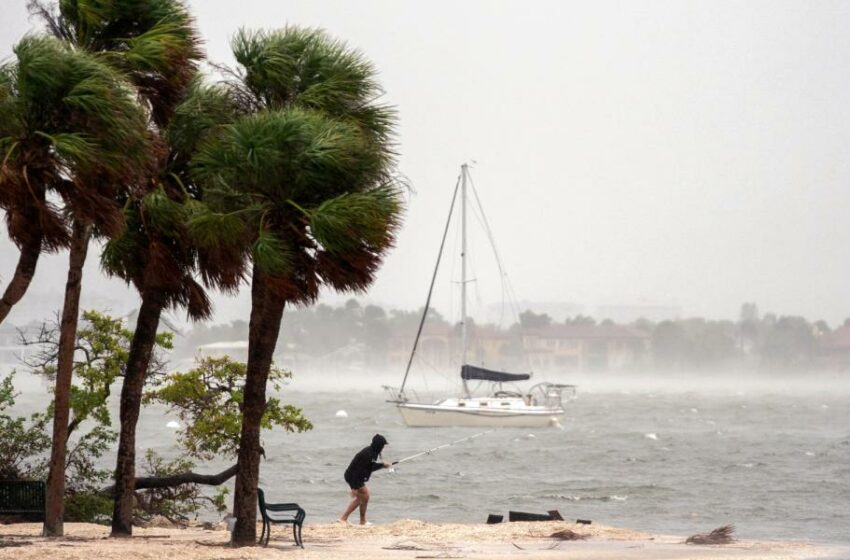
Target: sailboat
{"points": [[541, 405]]}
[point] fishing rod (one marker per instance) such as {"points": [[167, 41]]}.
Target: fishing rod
{"points": [[429, 451]]}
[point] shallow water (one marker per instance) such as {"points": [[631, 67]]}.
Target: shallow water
{"points": [[775, 464]]}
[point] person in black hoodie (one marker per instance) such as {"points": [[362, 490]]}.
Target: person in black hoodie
{"points": [[358, 472]]}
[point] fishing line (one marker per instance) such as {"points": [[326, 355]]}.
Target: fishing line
{"points": [[429, 451]]}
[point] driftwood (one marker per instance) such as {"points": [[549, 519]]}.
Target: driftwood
{"points": [[145, 482], [552, 546], [525, 516], [568, 535], [721, 535], [9, 544], [406, 545]]}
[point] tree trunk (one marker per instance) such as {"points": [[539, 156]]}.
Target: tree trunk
{"points": [[17, 286], [55, 510], [266, 315], [131, 401]]}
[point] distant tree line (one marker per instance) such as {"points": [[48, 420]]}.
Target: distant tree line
{"points": [[753, 341], [321, 329]]}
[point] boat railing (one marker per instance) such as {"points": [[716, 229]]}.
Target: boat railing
{"points": [[555, 393], [396, 395], [566, 391]]}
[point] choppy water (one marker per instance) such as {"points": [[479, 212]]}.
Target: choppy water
{"points": [[776, 464]]}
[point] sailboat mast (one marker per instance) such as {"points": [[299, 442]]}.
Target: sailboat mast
{"points": [[463, 173]]}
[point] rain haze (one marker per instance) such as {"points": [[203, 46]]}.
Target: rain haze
{"points": [[680, 154], [657, 335]]}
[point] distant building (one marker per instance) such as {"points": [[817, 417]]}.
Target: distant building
{"points": [[435, 347], [585, 348], [833, 349], [553, 348], [624, 314], [557, 310]]}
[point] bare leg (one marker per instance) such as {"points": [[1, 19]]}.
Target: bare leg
{"points": [[351, 507], [363, 496]]}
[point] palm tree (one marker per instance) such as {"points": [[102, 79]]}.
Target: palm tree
{"points": [[72, 126], [154, 45], [304, 182], [156, 254]]}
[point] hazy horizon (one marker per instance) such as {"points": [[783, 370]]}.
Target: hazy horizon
{"points": [[685, 154]]}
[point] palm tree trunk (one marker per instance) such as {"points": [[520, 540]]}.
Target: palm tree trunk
{"points": [[24, 272], [55, 510], [266, 315], [131, 401]]}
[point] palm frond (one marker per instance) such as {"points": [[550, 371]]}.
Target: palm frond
{"points": [[74, 148], [71, 125], [158, 47], [304, 66], [272, 254], [154, 42], [213, 229], [162, 214], [204, 110], [721, 535], [290, 154], [353, 220]]}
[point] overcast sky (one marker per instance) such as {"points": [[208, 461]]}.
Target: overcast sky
{"points": [[684, 153]]}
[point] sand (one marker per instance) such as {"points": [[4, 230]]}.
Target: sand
{"points": [[406, 539]]}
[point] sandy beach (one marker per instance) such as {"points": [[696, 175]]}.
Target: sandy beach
{"points": [[406, 539]]}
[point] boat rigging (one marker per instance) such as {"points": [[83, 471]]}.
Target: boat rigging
{"points": [[541, 405]]}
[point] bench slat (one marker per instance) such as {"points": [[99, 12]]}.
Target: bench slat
{"points": [[19, 497]]}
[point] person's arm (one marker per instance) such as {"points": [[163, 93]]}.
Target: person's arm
{"points": [[378, 466]]}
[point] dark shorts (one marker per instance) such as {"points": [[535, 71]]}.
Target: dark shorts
{"points": [[354, 484]]}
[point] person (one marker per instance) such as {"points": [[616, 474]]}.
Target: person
{"points": [[358, 473]]}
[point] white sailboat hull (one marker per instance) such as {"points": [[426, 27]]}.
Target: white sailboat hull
{"points": [[448, 414]]}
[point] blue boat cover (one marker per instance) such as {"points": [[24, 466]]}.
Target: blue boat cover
{"points": [[473, 372]]}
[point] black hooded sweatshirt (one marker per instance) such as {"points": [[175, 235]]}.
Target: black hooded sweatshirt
{"points": [[365, 462]]}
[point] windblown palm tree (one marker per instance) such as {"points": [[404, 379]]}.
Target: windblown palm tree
{"points": [[71, 128], [60, 119], [153, 44], [304, 182], [156, 254], [69, 125]]}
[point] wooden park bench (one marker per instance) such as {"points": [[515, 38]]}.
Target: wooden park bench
{"points": [[280, 513], [22, 497]]}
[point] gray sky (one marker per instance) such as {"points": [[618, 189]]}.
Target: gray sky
{"points": [[687, 153]]}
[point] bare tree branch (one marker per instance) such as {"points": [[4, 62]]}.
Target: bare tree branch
{"points": [[146, 482]]}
